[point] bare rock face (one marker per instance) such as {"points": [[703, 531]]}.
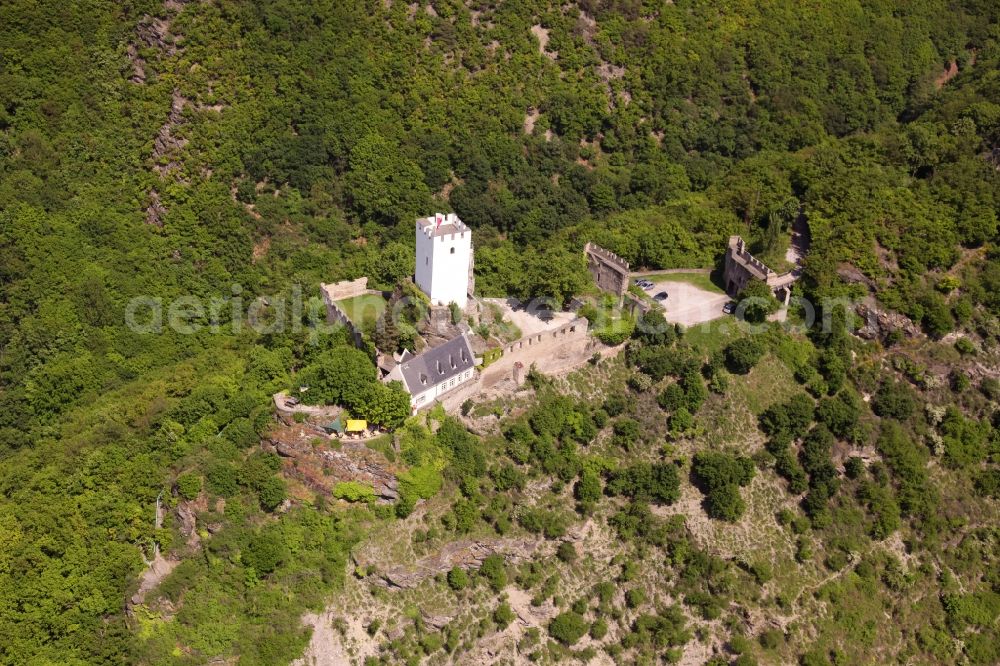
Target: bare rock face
{"points": [[155, 210], [311, 460], [188, 522], [436, 621], [878, 323], [465, 554]]}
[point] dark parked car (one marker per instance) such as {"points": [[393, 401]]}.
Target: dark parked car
{"points": [[662, 296], [729, 308]]}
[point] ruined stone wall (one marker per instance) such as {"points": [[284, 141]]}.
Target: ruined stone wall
{"points": [[610, 271], [336, 315], [346, 289], [741, 267], [551, 351]]}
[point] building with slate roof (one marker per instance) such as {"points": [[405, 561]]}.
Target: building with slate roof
{"points": [[435, 372]]}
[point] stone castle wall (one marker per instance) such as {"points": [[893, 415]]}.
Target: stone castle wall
{"points": [[336, 315], [551, 351], [611, 272], [345, 289], [741, 267]]}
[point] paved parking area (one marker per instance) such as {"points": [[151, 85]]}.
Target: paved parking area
{"points": [[687, 304]]}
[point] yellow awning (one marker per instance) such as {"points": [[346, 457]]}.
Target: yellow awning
{"points": [[356, 425]]}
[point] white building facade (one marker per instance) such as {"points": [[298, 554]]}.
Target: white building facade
{"points": [[435, 372], [444, 259]]}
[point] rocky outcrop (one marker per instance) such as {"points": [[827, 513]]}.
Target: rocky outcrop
{"points": [[167, 145], [312, 460], [879, 323], [465, 554], [155, 210]]}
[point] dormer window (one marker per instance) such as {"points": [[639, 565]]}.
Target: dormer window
{"points": [[451, 359], [423, 379], [440, 370]]}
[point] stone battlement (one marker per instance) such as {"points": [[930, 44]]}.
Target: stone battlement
{"points": [[607, 255], [451, 226], [741, 267], [610, 271], [338, 291], [743, 256], [549, 351]]}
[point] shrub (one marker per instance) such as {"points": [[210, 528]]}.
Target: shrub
{"points": [[791, 418], [503, 615], [651, 482], [616, 331], [421, 482], [431, 643], [714, 470], [720, 476], [588, 489], [854, 467], [599, 629], [494, 570], [458, 579], [894, 400], [671, 397], [354, 491], [965, 346], [840, 413], [188, 486], [743, 354], [725, 503], [990, 387], [604, 591], [568, 627], [627, 430], [615, 404], [265, 551], [566, 552], [757, 301], [988, 483], [681, 421], [695, 392], [635, 597], [653, 328], [271, 493], [222, 479], [937, 319], [771, 639], [640, 382]]}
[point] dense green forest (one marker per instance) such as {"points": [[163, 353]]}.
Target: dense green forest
{"points": [[229, 150]]}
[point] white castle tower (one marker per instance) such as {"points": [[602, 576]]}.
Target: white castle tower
{"points": [[444, 259]]}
